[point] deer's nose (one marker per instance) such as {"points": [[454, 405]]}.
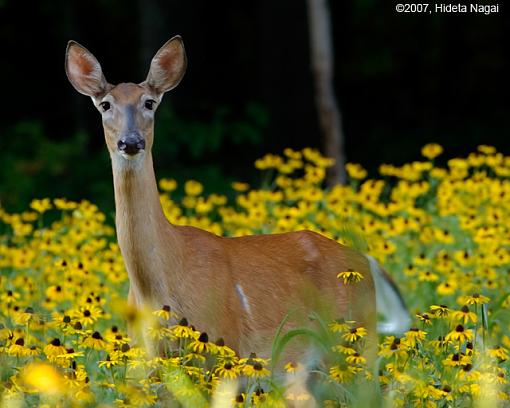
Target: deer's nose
{"points": [[131, 144]]}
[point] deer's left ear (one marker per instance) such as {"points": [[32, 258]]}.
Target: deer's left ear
{"points": [[168, 66]]}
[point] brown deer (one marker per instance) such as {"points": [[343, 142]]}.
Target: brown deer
{"points": [[239, 289]]}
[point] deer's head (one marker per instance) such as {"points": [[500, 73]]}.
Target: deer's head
{"points": [[127, 109]]}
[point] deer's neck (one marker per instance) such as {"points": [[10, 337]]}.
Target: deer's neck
{"points": [[150, 245]]}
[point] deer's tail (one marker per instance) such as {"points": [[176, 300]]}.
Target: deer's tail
{"points": [[390, 303]]}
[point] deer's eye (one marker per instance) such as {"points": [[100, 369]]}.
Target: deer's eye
{"points": [[105, 106], [149, 104]]}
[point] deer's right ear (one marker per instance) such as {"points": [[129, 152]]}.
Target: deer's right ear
{"points": [[83, 71]]}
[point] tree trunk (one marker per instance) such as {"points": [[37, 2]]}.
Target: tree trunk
{"points": [[321, 52]]}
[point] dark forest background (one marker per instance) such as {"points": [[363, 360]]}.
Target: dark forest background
{"points": [[401, 80]]}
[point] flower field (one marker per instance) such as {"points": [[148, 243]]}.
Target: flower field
{"points": [[443, 233]]}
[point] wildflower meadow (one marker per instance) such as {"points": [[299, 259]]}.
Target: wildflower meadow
{"points": [[442, 233]]}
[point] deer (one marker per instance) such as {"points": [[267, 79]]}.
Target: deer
{"points": [[239, 289]]}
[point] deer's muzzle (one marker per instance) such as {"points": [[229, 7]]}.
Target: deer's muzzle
{"points": [[131, 144]]}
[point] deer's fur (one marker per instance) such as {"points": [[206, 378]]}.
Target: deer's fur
{"points": [[239, 289]]}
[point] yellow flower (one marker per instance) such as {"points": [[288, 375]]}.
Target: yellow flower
{"points": [[340, 325], [350, 277], [439, 310], [485, 149], [465, 315], [293, 368], [354, 334], [447, 288], [228, 370], [414, 336], [431, 150], [18, 348], [41, 206], [201, 345], [167, 185], [355, 358], [43, 378], [183, 330], [164, 313], [342, 372], [425, 318], [108, 363], [95, 341], [355, 171], [460, 334], [474, 299], [193, 188], [54, 348], [256, 370], [241, 187]]}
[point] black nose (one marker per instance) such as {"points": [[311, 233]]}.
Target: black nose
{"points": [[131, 144]]}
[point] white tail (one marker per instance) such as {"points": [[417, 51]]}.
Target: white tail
{"points": [[390, 304], [239, 289]]}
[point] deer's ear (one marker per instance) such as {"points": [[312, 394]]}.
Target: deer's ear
{"points": [[168, 66], [84, 71]]}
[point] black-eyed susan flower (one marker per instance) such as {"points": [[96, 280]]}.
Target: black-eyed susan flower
{"points": [[413, 337], [499, 352], [256, 370], [350, 276], [340, 325], [425, 318], [431, 150], [17, 348], [465, 315], [460, 334], [474, 299], [95, 341], [164, 313], [355, 358], [167, 185], [201, 344], [108, 362], [439, 310], [182, 330], [342, 372], [457, 359], [54, 348], [87, 315], [354, 334], [228, 370], [355, 171], [222, 349]]}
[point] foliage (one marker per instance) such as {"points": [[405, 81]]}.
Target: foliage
{"points": [[441, 232], [32, 164]]}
